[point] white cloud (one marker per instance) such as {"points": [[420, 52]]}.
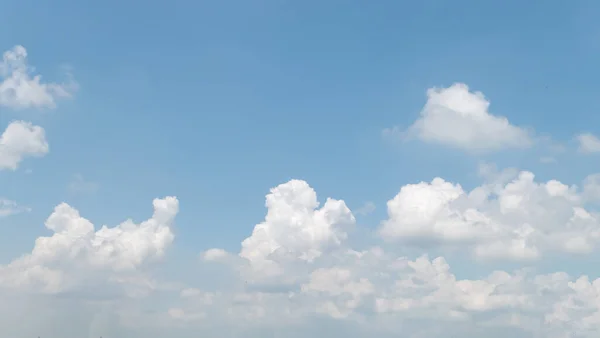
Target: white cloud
{"points": [[9, 207], [76, 253], [591, 188], [20, 89], [297, 271], [459, 118], [295, 228], [507, 218], [588, 143], [214, 254], [19, 140], [387, 294], [510, 216]]}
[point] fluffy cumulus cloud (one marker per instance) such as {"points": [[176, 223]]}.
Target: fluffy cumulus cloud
{"points": [[311, 272], [77, 254], [301, 271], [460, 118], [295, 228], [20, 88], [82, 280], [20, 140], [298, 266], [508, 217]]}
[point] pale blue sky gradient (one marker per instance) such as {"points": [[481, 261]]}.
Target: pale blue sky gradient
{"points": [[218, 101]]}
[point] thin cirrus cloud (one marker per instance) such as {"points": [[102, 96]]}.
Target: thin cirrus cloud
{"points": [[80, 185], [10, 207], [459, 118], [366, 209]]}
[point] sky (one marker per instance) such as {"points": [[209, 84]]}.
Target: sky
{"points": [[299, 168]]}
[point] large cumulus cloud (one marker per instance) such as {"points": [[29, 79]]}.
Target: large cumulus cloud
{"points": [[509, 217], [512, 217], [77, 254], [460, 118]]}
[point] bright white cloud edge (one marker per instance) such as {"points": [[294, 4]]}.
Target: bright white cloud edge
{"points": [[297, 265], [301, 248], [21, 140], [20, 88], [10, 207], [458, 118], [588, 143]]}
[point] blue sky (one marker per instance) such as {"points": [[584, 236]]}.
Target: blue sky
{"points": [[216, 102]]}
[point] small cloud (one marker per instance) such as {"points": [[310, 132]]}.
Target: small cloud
{"points": [[460, 118], [548, 159], [588, 143], [214, 254], [20, 88], [8, 208], [176, 313], [366, 209], [79, 185], [21, 140]]}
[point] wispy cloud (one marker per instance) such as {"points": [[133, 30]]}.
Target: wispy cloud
{"points": [[79, 185], [9, 207], [365, 209]]}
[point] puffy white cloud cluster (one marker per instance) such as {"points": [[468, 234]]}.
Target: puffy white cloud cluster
{"points": [[85, 278], [295, 229], [19, 89], [76, 252], [317, 273], [513, 217], [21, 139], [390, 294], [459, 118]]}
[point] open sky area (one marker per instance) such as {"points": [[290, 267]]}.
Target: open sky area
{"points": [[291, 169]]}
